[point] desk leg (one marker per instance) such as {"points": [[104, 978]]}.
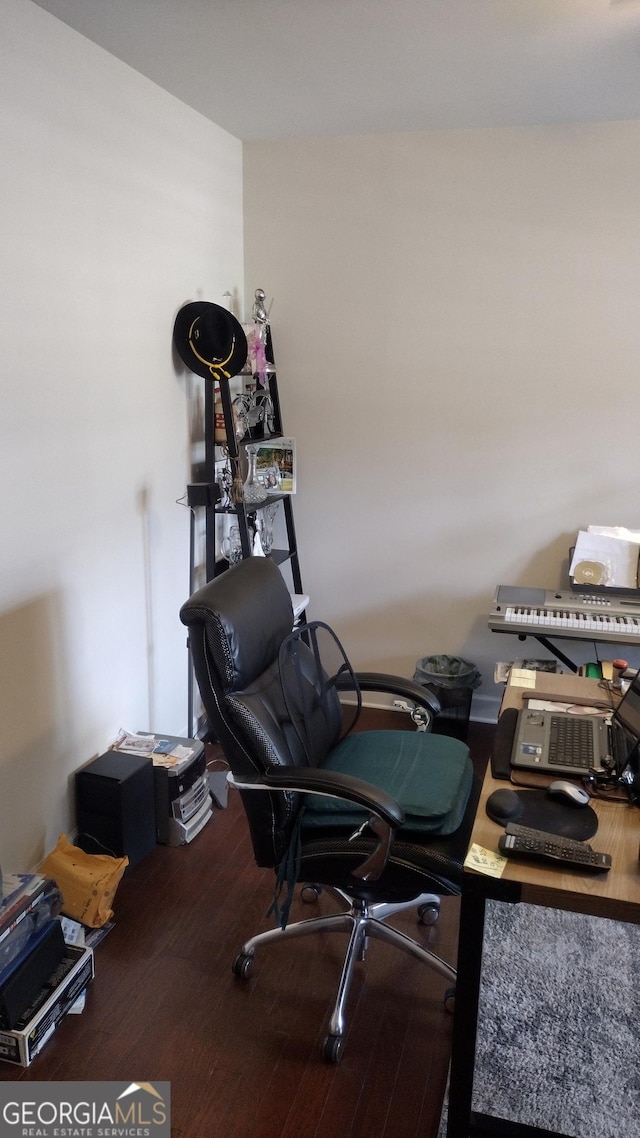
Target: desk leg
{"points": [[472, 907]]}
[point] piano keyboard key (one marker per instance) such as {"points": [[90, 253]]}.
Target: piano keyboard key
{"points": [[582, 621]]}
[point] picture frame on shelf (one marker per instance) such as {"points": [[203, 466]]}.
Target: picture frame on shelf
{"points": [[276, 465]]}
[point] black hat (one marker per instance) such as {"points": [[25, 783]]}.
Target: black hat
{"points": [[209, 340]]}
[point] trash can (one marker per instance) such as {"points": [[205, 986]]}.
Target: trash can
{"points": [[452, 680]]}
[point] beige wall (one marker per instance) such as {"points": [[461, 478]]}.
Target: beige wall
{"points": [[118, 204], [455, 320]]}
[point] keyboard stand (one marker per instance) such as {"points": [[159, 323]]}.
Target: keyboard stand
{"points": [[546, 643]]}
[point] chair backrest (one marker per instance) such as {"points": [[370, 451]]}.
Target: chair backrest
{"points": [[238, 624]]}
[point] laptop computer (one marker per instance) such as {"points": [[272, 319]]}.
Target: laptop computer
{"points": [[563, 743]]}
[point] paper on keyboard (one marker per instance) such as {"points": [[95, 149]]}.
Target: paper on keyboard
{"points": [[612, 560]]}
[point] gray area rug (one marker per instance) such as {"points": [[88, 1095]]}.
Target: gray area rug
{"points": [[559, 1024]]}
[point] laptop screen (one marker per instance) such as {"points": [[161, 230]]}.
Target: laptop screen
{"points": [[627, 716], [627, 713]]}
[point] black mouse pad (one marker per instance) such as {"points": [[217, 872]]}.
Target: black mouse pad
{"points": [[535, 808]]}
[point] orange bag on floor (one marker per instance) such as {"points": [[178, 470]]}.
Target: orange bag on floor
{"points": [[88, 882]]}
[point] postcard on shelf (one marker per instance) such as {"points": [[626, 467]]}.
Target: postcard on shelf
{"points": [[134, 744], [163, 751], [276, 465]]}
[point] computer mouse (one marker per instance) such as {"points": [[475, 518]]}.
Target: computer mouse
{"points": [[504, 806], [568, 792]]}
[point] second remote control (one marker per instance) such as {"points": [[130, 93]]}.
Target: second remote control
{"points": [[546, 835], [550, 848]]}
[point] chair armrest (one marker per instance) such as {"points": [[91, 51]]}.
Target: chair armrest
{"points": [[312, 780], [426, 703], [395, 685], [387, 813]]}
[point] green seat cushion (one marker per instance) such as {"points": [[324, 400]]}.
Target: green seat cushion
{"points": [[429, 775]]}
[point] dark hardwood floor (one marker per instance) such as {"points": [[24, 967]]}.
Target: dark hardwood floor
{"points": [[243, 1058]]}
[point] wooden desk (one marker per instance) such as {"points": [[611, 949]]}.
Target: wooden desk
{"points": [[615, 895]]}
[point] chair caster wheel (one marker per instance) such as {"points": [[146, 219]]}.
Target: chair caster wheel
{"points": [[450, 1000], [428, 914], [310, 893], [242, 966], [332, 1048]]}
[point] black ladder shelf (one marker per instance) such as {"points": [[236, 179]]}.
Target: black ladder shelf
{"points": [[245, 512], [206, 495]]}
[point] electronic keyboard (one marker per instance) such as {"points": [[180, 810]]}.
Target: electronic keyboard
{"points": [[541, 612]]}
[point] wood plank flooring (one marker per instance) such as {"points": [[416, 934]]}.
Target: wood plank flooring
{"points": [[243, 1058]]}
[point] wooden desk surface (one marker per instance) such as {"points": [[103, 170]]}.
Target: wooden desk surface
{"points": [[615, 894]]}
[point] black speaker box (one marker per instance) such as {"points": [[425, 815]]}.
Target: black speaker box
{"points": [[115, 809], [38, 961]]}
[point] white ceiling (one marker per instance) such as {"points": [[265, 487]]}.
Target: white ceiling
{"points": [[274, 69]]}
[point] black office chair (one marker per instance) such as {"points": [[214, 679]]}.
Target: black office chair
{"points": [[378, 819]]}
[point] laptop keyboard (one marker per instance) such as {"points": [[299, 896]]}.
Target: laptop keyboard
{"points": [[570, 742]]}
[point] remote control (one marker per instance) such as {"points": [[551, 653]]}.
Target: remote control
{"points": [[552, 848], [544, 835]]}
